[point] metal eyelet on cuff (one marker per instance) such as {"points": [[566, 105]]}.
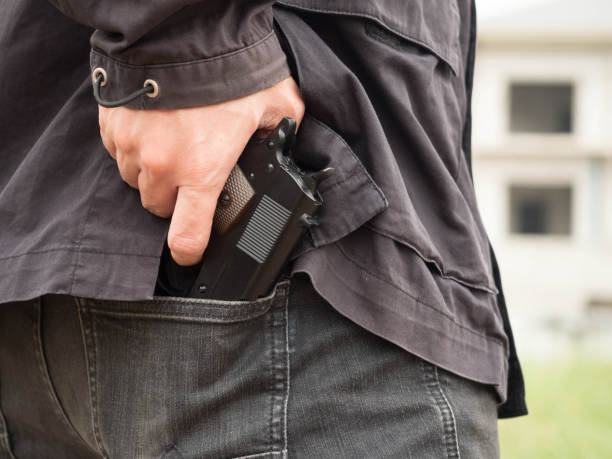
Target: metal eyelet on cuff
{"points": [[155, 86], [99, 71], [99, 79]]}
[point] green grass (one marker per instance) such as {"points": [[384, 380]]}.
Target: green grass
{"points": [[570, 416]]}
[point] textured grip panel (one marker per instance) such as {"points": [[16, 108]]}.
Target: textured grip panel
{"points": [[233, 202], [263, 229]]}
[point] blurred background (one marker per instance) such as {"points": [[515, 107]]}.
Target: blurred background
{"points": [[543, 174]]}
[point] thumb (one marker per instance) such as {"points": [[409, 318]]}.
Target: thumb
{"points": [[191, 224], [282, 100]]}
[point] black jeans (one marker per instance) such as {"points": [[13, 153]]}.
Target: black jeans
{"points": [[176, 378]]}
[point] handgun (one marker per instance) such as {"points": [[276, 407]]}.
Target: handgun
{"points": [[265, 207]]}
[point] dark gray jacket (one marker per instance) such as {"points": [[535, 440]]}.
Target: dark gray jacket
{"points": [[401, 248]]}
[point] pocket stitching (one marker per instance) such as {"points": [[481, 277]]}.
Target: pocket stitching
{"points": [[207, 318], [90, 351], [198, 310], [280, 289], [46, 376]]}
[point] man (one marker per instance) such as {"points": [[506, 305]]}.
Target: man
{"points": [[388, 337]]}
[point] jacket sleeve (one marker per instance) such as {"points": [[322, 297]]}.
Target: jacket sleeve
{"points": [[198, 52]]}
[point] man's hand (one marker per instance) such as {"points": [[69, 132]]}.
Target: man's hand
{"points": [[180, 159]]}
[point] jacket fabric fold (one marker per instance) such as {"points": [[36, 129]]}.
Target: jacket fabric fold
{"points": [[400, 249]]}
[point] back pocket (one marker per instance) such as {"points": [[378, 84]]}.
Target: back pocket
{"points": [[180, 377]]}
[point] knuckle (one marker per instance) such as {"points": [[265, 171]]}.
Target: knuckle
{"points": [[156, 163], [123, 142]]}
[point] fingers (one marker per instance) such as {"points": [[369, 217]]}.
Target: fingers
{"points": [[156, 182], [129, 168], [191, 223], [157, 196], [179, 159]]}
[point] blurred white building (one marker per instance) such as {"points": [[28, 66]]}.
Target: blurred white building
{"points": [[543, 170]]}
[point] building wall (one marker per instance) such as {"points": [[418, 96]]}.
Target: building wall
{"points": [[590, 70], [558, 287]]}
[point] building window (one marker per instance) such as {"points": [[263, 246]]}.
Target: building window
{"points": [[541, 108], [540, 210]]}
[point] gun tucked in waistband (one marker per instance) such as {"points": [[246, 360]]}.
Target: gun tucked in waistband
{"points": [[265, 207]]}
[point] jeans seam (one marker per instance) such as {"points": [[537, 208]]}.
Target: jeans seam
{"points": [[288, 376], [444, 408], [89, 344], [270, 342], [46, 376], [267, 455], [280, 378], [5, 441]]}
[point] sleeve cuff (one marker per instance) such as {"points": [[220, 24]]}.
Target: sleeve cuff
{"points": [[199, 82]]}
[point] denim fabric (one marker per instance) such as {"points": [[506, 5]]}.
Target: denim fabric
{"points": [[284, 376]]}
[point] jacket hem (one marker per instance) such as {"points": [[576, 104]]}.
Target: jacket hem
{"points": [[97, 274], [404, 320]]}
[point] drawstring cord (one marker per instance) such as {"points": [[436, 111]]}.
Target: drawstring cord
{"points": [[150, 88]]}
